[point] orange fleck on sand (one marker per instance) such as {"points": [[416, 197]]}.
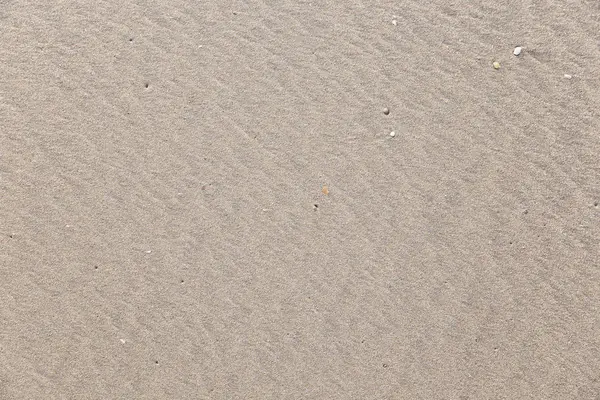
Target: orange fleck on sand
{"points": [[325, 190]]}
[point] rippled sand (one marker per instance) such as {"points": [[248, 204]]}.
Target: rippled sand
{"points": [[205, 201]]}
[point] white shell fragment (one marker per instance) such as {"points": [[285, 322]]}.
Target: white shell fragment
{"points": [[392, 133], [517, 51], [567, 76]]}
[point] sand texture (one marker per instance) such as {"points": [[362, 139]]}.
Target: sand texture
{"points": [[204, 200]]}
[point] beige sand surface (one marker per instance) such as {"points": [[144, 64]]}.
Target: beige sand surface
{"points": [[164, 232]]}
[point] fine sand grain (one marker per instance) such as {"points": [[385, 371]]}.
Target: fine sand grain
{"points": [[202, 199]]}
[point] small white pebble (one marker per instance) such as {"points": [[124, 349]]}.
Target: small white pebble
{"points": [[392, 133], [148, 251], [394, 22], [123, 341], [517, 51], [567, 76]]}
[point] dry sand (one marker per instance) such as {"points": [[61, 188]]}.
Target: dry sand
{"points": [[165, 233]]}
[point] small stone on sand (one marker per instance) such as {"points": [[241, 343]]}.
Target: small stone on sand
{"points": [[517, 51], [386, 111], [567, 76], [394, 22], [392, 133], [496, 65], [325, 190]]}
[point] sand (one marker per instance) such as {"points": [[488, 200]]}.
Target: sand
{"points": [[165, 232]]}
